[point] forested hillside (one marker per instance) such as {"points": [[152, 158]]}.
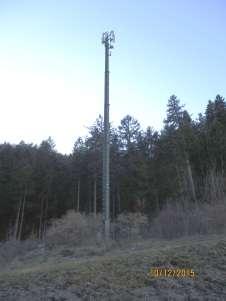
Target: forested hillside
{"points": [[186, 160]]}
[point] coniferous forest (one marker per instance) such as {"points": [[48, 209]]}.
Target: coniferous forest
{"points": [[147, 169]]}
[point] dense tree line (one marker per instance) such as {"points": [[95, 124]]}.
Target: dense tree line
{"points": [[148, 168]]}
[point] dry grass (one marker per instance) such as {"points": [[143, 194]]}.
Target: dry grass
{"points": [[76, 265], [12, 249], [122, 275]]}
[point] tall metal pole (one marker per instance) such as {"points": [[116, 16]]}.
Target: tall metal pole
{"points": [[107, 39]]}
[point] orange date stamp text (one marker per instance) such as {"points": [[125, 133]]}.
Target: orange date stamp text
{"points": [[170, 272]]}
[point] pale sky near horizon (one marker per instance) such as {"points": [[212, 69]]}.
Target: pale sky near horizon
{"points": [[52, 63]]}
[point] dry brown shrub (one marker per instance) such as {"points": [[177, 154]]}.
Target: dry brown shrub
{"points": [[178, 219], [129, 226], [74, 229], [216, 217]]}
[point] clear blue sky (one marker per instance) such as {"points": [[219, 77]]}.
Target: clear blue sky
{"points": [[52, 63]]}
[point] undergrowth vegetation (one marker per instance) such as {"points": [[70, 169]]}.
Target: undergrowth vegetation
{"points": [[75, 229], [182, 219], [80, 234], [78, 229]]}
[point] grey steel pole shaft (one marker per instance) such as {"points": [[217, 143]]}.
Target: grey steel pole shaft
{"points": [[106, 148]]}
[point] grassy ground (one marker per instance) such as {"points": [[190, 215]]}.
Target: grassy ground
{"points": [[120, 273]]}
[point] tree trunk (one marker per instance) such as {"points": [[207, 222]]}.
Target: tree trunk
{"points": [[113, 207], [22, 215], [157, 203], [41, 219], [17, 220], [78, 195], [95, 197], [179, 176], [191, 181], [90, 200], [222, 166], [74, 197], [119, 200], [46, 216]]}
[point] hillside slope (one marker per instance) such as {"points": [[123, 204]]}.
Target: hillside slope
{"points": [[120, 273]]}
